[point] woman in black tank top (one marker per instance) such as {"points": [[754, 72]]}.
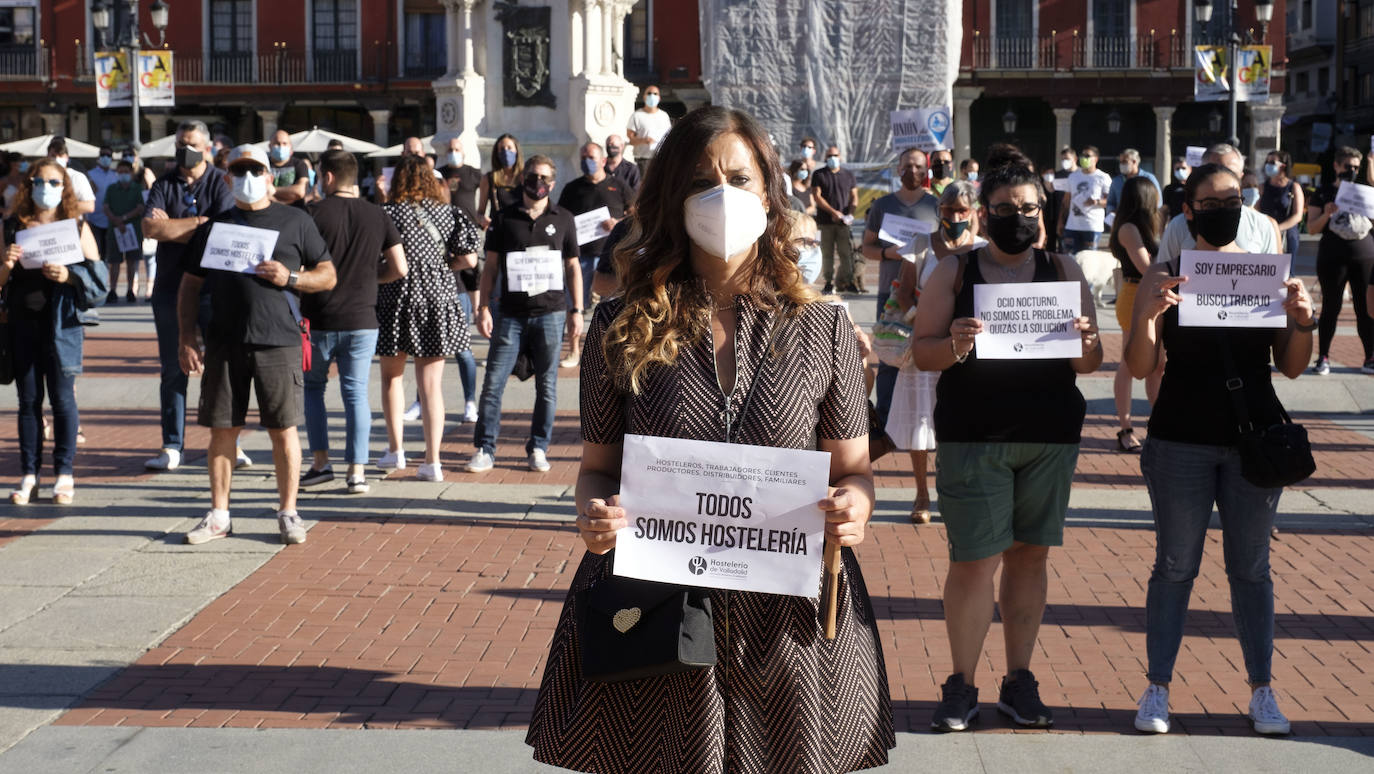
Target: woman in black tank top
{"points": [[1008, 434], [1191, 461]]}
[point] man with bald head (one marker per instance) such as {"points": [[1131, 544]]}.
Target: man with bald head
{"points": [[1257, 233], [616, 165], [290, 176], [413, 147], [463, 180]]}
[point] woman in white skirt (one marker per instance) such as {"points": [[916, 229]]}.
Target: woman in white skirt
{"points": [[910, 421]]}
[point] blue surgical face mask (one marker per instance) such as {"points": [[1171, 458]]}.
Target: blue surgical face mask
{"points": [[808, 151], [973, 177], [104, 161], [590, 166], [651, 100], [1271, 169], [507, 158], [23, 166], [1248, 196], [455, 158], [802, 174], [125, 177], [833, 162], [280, 153], [249, 188], [1180, 174], [46, 197]]}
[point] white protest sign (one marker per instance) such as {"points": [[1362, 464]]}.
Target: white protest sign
{"points": [[1028, 320], [722, 515], [1355, 198], [384, 179], [56, 242], [1061, 185], [126, 241], [1232, 290], [534, 271], [589, 225], [899, 230], [924, 128], [1193, 155], [237, 248]]}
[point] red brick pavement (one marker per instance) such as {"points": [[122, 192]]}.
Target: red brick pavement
{"points": [[398, 623]]}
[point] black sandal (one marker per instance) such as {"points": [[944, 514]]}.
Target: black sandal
{"points": [[1123, 446]]}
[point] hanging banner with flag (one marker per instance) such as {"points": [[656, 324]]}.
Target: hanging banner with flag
{"points": [[112, 83], [1211, 82], [155, 87]]}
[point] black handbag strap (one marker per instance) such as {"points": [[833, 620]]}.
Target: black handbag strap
{"points": [[1235, 387]]}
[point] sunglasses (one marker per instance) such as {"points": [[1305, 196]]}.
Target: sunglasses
{"points": [[192, 206], [51, 182]]}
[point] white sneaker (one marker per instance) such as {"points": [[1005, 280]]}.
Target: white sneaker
{"points": [[1265, 716], [539, 461], [291, 527], [357, 484], [209, 529], [429, 471], [169, 459], [481, 462], [570, 361], [470, 412], [393, 460], [242, 460], [412, 413], [1153, 715]]}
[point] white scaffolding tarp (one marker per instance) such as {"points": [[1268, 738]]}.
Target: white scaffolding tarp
{"points": [[832, 69]]}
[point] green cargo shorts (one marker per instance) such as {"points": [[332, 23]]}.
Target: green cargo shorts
{"points": [[995, 494]]}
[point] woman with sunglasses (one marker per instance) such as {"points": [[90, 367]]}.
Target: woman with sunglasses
{"points": [[45, 307], [1190, 460]]}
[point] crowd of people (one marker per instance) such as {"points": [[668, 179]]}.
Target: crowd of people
{"points": [[711, 278]]}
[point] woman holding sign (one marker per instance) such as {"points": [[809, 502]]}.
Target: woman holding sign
{"points": [[1008, 416], [1191, 459], [716, 337], [49, 283], [1345, 254]]}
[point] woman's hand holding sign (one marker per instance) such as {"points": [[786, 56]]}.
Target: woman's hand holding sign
{"points": [[961, 333], [1299, 303], [1162, 295], [597, 524]]}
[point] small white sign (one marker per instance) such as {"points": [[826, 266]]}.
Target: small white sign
{"points": [[1061, 185], [1356, 198], [1028, 320], [235, 248], [1193, 155], [898, 230], [1232, 290], [126, 241], [924, 128], [534, 271], [589, 225], [56, 242], [722, 515]]}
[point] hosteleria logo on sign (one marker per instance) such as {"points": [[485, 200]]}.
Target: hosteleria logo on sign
{"points": [[1221, 314], [696, 565]]}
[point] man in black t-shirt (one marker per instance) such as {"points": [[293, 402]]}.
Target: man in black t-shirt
{"points": [[533, 247], [367, 251], [836, 192], [290, 176], [594, 190], [253, 341], [617, 166]]}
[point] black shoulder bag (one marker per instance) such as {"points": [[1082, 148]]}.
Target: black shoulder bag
{"points": [[630, 629], [1273, 457]]}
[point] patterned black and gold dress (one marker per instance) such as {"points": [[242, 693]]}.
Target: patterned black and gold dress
{"points": [[781, 698]]}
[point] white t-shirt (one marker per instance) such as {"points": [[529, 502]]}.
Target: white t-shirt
{"points": [[652, 125], [1084, 187], [1255, 235], [81, 186]]}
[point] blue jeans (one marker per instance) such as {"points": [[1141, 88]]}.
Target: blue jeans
{"points": [[353, 351], [542, 338], [1184, 480], [37, 366], [172, 386], [1079, 240], [467, 364]]}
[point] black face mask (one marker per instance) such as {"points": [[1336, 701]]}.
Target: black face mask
{"points": [[939, 170], [1218, 227], [612, 151], [535, 188], [954, 229], [189, 158], [1013, 234], [1348, 175]]}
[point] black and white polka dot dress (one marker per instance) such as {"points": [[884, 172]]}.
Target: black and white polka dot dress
{"points": [[419, 315]]}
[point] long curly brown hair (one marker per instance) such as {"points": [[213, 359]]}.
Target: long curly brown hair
{"points": [[666, 305], [24, 207], [413, 181]]}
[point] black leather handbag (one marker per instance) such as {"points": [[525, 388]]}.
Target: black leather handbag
{"points": [[1272, 457], [630, 629]]}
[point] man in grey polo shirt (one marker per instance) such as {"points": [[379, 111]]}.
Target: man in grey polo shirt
{"points": [[1257, 233]]}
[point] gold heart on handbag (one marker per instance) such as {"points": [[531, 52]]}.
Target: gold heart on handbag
{"points": [[625, 619]]}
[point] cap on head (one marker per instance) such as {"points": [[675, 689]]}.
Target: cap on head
{"points": [[247, 154]]}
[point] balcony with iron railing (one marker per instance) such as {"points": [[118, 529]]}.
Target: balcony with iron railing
{"points": [[1074, 51], [24, 63], [281, 66]]}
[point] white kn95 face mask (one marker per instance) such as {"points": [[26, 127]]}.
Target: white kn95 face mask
{"points": [[725, 221]]}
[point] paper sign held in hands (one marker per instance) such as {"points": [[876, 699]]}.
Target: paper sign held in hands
{"points": [[1028, 320], [1193, 155], [899, 230], [237, 248], [722, 515], [56, 242], [126, 241], [534, 271], [589, 225], [1232, 290], [1356, 198]]}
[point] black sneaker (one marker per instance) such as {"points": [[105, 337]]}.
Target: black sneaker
{"points": [[828, 289], [958, 706], [1020, 701], [312, 477]]}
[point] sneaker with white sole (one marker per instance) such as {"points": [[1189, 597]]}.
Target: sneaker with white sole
{"points": [[412, 413], [1368, 367], [357, 484], [958, 706], [1265, 716], [210, 528], [1322, 368], [169, 459], [570, 361], [470, 412], [481, 462], [392, 460], [1153, 715], [312, 477], [292, 528], [429, 471], [242, 460], [539, 461]]}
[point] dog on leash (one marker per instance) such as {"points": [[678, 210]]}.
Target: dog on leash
{"points": [[1098, 267]]}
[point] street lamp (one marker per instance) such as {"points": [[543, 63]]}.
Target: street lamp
{"points": [[102, 18], [1009, 122], [1114, 122], [1264, 12]]}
